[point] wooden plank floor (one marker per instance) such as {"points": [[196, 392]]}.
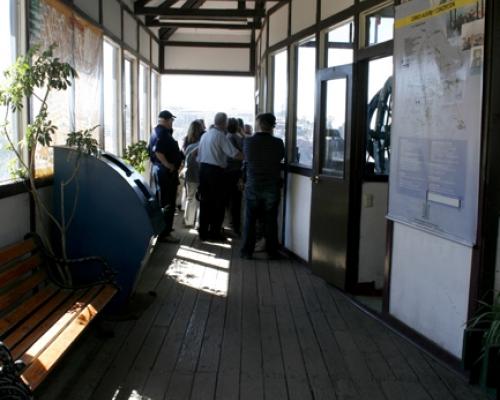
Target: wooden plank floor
{"points": [[225, 328]]}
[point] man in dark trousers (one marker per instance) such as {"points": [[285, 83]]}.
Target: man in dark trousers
{"points": [[213, 151], [166, 159], [262, 164]]}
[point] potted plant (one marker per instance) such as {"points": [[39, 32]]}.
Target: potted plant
{"points": [[35, 76], [137, 155], [482, 344]]}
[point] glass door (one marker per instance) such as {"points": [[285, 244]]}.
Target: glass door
{"points": [[330, 191]]}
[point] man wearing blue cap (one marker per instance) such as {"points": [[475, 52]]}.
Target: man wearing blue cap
{"points": [[166, 159]]}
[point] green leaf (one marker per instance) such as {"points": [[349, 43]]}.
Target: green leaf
{"points": [[136, 155]]}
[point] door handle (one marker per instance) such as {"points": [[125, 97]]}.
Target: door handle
{"points": [[315, 179]]}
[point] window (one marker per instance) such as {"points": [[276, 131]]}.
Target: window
{"points": [[111, 77], [333, 137], [8, 27], [304, 115], [143, 101], [155, 97], [379, 26], [190, 97], [340, 45], [378, 146], [280, 92], [128, 104]]}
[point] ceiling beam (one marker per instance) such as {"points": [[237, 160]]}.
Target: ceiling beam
{"points": [[168, 3], [140, 3], [166, 33], [198, 13], [170, 25], [235, 45], [260, 5]]}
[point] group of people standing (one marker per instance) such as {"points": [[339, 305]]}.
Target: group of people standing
{"points": [[217, 164]]}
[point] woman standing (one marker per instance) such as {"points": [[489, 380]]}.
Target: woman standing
{"points": [[233, 175], [191, 172]]}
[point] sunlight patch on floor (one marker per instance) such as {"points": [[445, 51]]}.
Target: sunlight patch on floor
{"points": [[200, 271], [134, 395], [193, 255]]}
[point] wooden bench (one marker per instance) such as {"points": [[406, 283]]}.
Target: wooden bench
{"points": [[39, 319]]}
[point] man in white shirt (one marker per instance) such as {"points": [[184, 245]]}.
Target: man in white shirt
{"points": [[213, 151]]}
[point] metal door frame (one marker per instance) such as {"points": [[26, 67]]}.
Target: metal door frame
{"points": [[323, 76]]}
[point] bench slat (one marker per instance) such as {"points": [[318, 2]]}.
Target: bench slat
{"points": [[10, 253], [37, 371], [53, 308], [50, 327], [19, 270], [25, 309], [24, 286]]}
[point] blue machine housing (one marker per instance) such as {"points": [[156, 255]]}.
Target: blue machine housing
{"points": [[116, 215]]}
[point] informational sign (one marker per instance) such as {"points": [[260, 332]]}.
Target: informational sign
{"points": [[436, 130]]}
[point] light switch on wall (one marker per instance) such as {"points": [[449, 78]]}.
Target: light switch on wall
{"points": [[368, 199]]}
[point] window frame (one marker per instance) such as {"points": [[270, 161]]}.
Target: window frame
{"points": [[294, 50], [119, 98], [338, 45], [272, 92], [363, 37], [20, 118], [155, 75], [128, 57], [146, 90]]}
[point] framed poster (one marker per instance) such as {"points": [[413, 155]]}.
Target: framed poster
{"points": [[436, 131]]}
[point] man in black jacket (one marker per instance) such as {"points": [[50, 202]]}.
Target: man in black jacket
{"points": [[166, 159], [262, 163]]}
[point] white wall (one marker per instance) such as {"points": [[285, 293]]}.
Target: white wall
{"points": [[263, 41], [111, 12], [155, 56], [211, 35], [155, 30], [203, 58], [14, 219], [329, 7], [144, 44], [15, 216], [130, 30], [298, 215], [278, 25], [430, 285], [303, 14], [89, 7], [129, 3], [373, 233]]}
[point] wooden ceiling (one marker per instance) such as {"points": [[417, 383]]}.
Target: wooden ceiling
{"points": [[216, 15]]}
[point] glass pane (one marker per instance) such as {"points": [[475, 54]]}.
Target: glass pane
{"points": [[143, 102], [127, 102], [280, 92], [380, 26], [340, 42], [334, 128], [212, 94], [306, 84], [378, 145], [111, 114], [8, 51]]}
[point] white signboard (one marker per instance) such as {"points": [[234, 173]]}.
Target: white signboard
{"points": [[436, 131]]}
